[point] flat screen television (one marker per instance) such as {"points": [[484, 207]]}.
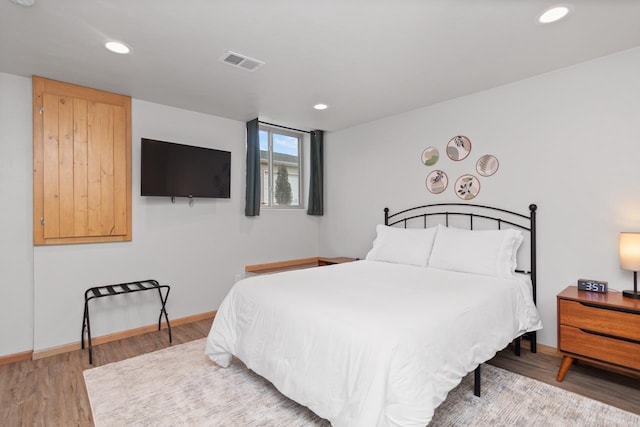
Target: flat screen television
{"points": [[177, 170]]}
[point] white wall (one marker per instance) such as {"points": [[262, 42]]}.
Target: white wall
{"points": [[568, 141], [16, 237], [197, 250]]}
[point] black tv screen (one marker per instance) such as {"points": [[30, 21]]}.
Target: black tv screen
{"points": [[176, 170]]}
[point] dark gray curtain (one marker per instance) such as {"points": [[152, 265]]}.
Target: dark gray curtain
{"points": [[252, 205], [316, 178]]}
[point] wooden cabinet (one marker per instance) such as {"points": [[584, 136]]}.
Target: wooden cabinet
{"points": [[603, 329], [81, 164]]}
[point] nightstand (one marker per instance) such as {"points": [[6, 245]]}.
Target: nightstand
{"points": [[603, 329]]}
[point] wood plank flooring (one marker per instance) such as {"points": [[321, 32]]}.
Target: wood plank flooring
{"points": [[51, 391], [588, 380]]}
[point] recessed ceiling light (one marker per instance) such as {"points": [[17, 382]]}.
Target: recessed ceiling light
{"points": [[553, 14], [117, 47], [25, 3], [321, 106]]}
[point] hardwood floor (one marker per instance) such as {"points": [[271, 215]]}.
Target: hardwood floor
{"points": [[588, 380], [51, 391]]}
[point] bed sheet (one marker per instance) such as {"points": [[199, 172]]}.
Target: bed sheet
{"points": [[369, 343]]}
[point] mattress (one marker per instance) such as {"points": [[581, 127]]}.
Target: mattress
{"points": [[369, 343]]}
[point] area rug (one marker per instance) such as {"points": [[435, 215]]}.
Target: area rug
{"points": [[180, 386]]}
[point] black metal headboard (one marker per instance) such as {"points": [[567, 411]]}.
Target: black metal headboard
{"points": [[448, 210], [513, 219]]}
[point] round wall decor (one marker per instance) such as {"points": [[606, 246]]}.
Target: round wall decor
{"points": [[458, 148], [487, 165], [437, 181], [430, 156], [467, 187]]}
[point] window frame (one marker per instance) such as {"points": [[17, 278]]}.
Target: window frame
{"points": [[271, 184]]}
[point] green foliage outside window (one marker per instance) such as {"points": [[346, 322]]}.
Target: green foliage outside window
{"points": [[283, 187]]}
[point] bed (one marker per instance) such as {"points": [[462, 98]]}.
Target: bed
{"points": [[381, 341]]}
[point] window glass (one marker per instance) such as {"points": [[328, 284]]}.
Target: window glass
{"points": [[280, 164], [264, 140]]}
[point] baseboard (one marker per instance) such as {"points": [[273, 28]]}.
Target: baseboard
{"points": [[52, 351], [66, 348], [194, 318], [16, 357], [548, 350], [103, 339]]}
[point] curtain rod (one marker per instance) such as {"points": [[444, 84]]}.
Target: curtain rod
{"points": [[310, 132]]}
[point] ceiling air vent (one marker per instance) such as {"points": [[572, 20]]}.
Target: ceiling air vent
{"points": [[241, 61]]}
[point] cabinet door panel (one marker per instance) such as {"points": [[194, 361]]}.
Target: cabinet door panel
{"points": [[94, 182], [82, 164], [80, 176], [120, 166], [51, 148], [65, 165]]}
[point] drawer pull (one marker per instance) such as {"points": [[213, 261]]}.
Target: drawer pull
{"points": [[608, 308], [615, 337]]}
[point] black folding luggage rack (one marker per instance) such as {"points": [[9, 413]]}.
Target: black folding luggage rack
{"points": [[123, 288]]}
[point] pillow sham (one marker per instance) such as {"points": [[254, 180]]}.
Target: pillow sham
{"points": [[402, 245], [487, 252]]}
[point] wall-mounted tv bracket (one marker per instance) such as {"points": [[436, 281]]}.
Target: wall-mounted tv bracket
{"points": [[173, 200]]}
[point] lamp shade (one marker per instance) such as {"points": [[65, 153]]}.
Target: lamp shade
{"points": [[630, 251]]}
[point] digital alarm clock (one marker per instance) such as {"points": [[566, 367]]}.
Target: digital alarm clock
{"points": [[592, 285]]}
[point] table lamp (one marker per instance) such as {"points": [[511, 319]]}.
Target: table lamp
{"points": [[630, 259]]}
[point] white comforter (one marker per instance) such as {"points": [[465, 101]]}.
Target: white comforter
{"points": [[369, 343]]}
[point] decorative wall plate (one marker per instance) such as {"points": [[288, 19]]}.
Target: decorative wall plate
{"points": [[458, 148], [467, 187], [430, 156], [437, 181], [487, 165]]}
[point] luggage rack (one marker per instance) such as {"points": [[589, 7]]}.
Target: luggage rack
{"points": [[123, 288]]}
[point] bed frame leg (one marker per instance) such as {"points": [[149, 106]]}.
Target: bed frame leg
{"points": [[476, 384], [517, 346], [534, 340]]}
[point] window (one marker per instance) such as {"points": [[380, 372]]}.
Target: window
{"points": [[280, 168]]}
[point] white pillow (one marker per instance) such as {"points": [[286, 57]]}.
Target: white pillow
{"points": [[403, 245], [487, 252]]}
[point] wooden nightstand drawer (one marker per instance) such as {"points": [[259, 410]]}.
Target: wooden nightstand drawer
{"points": [[619, 352], [600, 319]]}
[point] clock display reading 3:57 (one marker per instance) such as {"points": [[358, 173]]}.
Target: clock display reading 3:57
{"points": [[592, 285]]}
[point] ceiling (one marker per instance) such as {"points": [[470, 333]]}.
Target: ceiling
{"points": [[366, 59]]}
